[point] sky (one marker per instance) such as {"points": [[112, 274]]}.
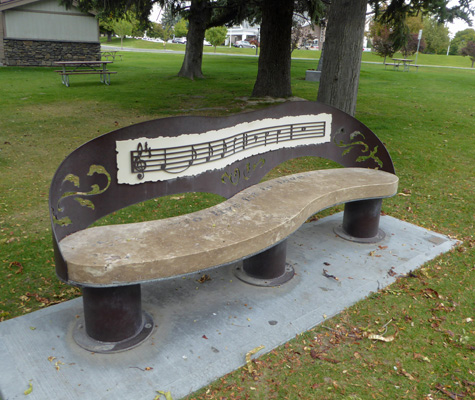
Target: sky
{"points": [[458, 25]]}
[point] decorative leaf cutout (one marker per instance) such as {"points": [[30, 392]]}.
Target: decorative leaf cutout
{"points": [[85, 202], [63, 221], [72, 178], [95, 190], [364, 147]]}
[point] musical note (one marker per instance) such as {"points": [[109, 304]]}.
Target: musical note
{"points": [[163, 166], [225, 149], [210, 152], [193, 156], [244, 141]]}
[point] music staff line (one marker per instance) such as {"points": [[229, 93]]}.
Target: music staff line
{"points": [[178, 159]]}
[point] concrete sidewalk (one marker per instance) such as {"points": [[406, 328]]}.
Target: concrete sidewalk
{"points": [[204, 330]]}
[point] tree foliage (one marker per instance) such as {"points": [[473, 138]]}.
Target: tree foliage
{"points": [[436, 36], [411, 46], [181, 28], [216, 35], [461, 39], [383, 42], [469, 50], [125, 26], [155, 30]]}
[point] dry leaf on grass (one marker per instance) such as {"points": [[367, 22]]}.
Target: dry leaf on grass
{"points": [[381, 338], [250, 369]]}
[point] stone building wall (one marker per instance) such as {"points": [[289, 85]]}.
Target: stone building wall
{"points": [[45, 53]]}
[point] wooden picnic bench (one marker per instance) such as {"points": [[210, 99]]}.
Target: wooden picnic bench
{"points": [[111, 53], [84, 68], [394, 65], [227, 156]]}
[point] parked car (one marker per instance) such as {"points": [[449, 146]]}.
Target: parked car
{"points": [[206, 43], [244, 43], [181, 40]]}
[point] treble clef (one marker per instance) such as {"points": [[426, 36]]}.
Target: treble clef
{"points": [[138, 164]]}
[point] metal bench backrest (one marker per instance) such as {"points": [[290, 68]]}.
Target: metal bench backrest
{"points": [[221, 155]]}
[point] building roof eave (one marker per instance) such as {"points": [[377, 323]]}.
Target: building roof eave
{"points": [[9, 4]]}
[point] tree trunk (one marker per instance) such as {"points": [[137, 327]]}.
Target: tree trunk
{"points": [[273, 74], [343, 50], [200, 16]]}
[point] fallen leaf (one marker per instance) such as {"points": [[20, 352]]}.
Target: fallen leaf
{"points": [[316, 355], [407, 375], [29, 390], [18, 265], [381, 338], [418, 356], [327, 275], [248, 358], [168, 395], [204, 278], [57, 364], [452, 395]]}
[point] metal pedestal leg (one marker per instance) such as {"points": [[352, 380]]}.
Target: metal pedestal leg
{"points": [[361, 221], [267, 268], [113, 319]]}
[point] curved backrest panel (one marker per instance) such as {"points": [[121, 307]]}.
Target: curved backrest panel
{"points": [[221, 155]]}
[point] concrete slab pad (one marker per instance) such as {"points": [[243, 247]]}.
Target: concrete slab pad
{"points": [[204, 330]]}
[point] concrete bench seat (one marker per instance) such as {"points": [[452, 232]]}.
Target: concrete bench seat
{"points": [[251, 221], [228, 156]]}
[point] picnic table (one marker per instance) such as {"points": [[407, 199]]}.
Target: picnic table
{"points": [[404, 61], [110, 53], [84, 68]]}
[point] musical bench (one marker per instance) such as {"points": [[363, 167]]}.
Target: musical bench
{"points": [[227, 156]]}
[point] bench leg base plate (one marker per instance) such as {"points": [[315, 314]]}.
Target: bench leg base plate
{"points": [[375, 239], [280, 280], [86, 342]]}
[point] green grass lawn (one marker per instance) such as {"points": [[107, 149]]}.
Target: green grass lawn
{"points": [[426, 120], [422, 59]]}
